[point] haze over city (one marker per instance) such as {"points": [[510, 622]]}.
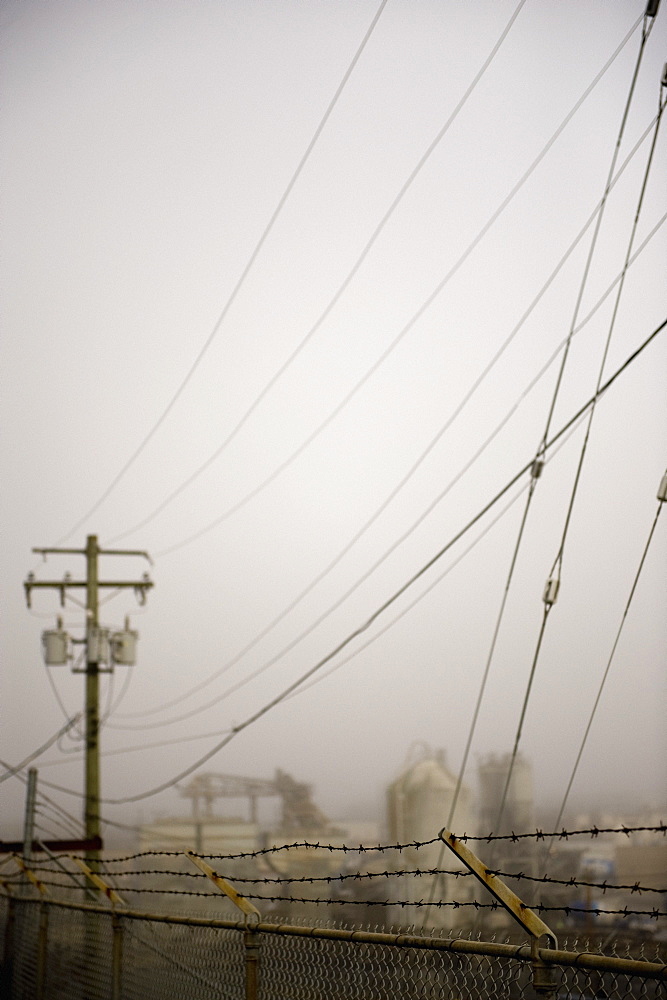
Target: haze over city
{"points": [[147, 148]]}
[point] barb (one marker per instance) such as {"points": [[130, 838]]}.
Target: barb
{"points": [[562, 834]]}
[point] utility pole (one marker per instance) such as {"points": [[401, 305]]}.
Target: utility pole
{"points": [[99, 651]]}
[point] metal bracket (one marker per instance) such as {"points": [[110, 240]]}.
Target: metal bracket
{"points": [[99, 883], [543, 980], [30, 875], [220, 883]]}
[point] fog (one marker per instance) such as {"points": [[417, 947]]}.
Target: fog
{"points": [[146, 148]]}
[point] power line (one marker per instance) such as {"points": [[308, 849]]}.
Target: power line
{"points": [[54, 818], [344, 597], [141, 746], [398, 338], [11, 771], [360, 649], [369, 642], [391, 600], [442, 430], [435, 583], [608, 667], [341, 289], [221, 318], [553, 582]]}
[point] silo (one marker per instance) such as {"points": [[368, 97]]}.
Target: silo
{"points": [[418, 805], [518, 813]]}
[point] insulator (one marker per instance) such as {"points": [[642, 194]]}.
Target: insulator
{"points": [[536, 468], [551, 591], [662, 489]]}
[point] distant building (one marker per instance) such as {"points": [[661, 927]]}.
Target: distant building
{"points": [[210, 835], [419, 803], [506, 808]]}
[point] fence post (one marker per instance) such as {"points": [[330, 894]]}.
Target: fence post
{"points": [[42, 950], [251, 914], [544, 982], [117, 957], [8, 956], [251, 942]]}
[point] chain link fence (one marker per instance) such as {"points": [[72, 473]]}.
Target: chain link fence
{"points": [[77, 951]]}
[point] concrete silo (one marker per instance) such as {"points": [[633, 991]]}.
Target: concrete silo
{"points": [[419, 802], [518, 810]]}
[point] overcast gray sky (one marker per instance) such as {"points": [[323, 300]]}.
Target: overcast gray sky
{"points": [[146, 146]]}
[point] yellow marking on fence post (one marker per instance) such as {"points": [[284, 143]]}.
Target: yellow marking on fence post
{"points": [[251, 939], [509, 900], [30, 875], [99, 883], [543, 979], [243, 904]]}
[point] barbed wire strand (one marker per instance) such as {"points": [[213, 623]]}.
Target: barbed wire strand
{"points": [[593, 832]]}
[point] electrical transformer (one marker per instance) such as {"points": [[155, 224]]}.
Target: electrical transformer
{"points": [[124, 647], [56, 647]]}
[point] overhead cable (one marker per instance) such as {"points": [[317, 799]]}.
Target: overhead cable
{"points": [[357, 651], [237, 287], [662, 497], [275, 658], [282, 696], [273, 702], [426, 451], [397, 339], [341, 289], [553, 582], [404, 611], [12, 770]]}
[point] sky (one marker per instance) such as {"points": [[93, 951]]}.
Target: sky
{"points": [[186, 372]]}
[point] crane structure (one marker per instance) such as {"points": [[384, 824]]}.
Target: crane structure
{"points": [[299, 812]]}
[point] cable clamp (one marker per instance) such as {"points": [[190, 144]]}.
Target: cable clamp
{"points": [[551, 589], [536, 468]]}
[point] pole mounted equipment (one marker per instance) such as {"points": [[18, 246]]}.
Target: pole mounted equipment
{"points": [[102, 651]]}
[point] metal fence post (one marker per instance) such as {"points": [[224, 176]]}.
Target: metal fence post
{"points": [[252, 918], [117, 957], [544, 983], [42, 950], [8, 957], [251, 942]]}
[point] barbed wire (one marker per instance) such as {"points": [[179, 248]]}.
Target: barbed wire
{"points": [[579, 883], [568, 910], [416, 845], [563, 834], [572, 883]]}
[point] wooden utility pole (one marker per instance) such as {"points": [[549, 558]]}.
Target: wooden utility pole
{"points": [[94, 640]]}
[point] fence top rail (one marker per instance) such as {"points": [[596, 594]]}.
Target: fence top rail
{"points": [[458, 945]]}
